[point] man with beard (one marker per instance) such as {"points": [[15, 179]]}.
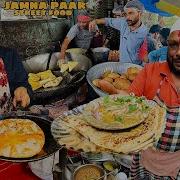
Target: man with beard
{"points": [[132, 30], [161, 82], [148, 81]]}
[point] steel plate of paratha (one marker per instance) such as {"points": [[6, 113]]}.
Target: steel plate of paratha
{"points": [[71, 139], [73, 131], [117, 112]]}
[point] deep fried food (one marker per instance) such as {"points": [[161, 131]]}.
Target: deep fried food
{"points": [[46, 75], [33, 77], [122, 84], [96, 82], [108, 79], [53, 83], [108, 87], [113, 75], [132, 72], [123, 76], [106, 74]]}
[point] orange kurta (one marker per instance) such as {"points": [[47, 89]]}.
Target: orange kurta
{"points": [[148, 81]]}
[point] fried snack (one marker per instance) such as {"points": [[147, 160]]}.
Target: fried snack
{"points": [[68, 66], [113, 75], [53, 83], [34, 84], [47, 80], [132, 72], [96, 82], [105, 74], [72, 65], [33, 77], [108, 79], [46, 75], [113, 56], [123, 76], [43, 79], [64, 67], [108, 87], [122, 84]]}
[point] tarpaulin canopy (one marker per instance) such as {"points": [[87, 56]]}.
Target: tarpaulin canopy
{"points": [[162, 7]]}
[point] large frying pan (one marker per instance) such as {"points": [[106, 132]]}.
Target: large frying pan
{"points": [[50, 146], [68, 86]]}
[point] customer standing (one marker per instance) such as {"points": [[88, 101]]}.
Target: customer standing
{"points": [[161, 53], [154, 31]]}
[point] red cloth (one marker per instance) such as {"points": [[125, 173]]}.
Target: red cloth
{"points": [[83, 18], [16, 171], [143, 51]]}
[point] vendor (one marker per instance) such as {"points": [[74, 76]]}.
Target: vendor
{"points": [[14, 81], [79, 33], [14, 91], [131, 28], [161, 82]]}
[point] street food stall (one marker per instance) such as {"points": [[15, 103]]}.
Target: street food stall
{"points": [[81, 124]]}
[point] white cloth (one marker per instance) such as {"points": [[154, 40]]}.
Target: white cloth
{"points": [[176, 26]]}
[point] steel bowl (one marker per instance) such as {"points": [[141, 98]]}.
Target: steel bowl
{"points": [[83, 167], [100, 54], [96, 72]]}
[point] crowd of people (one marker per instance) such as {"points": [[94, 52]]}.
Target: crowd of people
{"points": [[158, 49], [124, 32]]}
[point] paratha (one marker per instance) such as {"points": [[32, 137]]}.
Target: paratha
{"points": [[20, 138], [117, 112], [71, 139], [121, 141]]}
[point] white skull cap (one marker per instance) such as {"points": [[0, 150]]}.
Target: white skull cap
{"points": [[176, 26]]}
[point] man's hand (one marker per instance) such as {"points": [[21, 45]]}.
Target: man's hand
{"points": [[64, 48], [62, 56], [21, 96], [92, 26]]}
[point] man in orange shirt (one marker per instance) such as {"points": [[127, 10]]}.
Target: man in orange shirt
{"points": [[163, 76], [161, 82]]}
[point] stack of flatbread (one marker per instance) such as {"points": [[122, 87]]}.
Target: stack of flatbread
{"points": [[75, 132]]}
